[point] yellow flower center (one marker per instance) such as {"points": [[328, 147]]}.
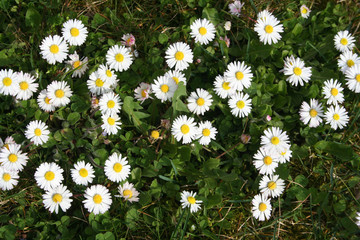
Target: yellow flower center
{"points": [[313, 113], [59, 93], [99, 82], [143, 93], [334, 92], [155, 134], [49, 175], [226, 86], [304, 11], [164, 88], [191, 200], [47, 100], [37, 132], [350, 63], [271, 185], [344, 41], [239, 75], [202, 31], [185, 129], [74, 32], [179, 56], [110, 104], [97, 198], [76, 64], [108, 73], [262, 207], [267, 160], [7, 81], [200, 101], [176, 80], [111, 121], [24, 85], [206, 132], [127, 193], [269, 29], [12, 158], [96, 101], [119, 57], [57, 198], [240, 104], [54, 48], [336, 117], [297, 71], [357, 78], [83, 172], [275, 140], [117, 167], [7, 146], [283, 153], [6, 177]]}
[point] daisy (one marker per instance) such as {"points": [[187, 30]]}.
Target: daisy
{"points": [[297, 72], [347, 60], [269, 29], [110, 103], [74, 32], [57, 197], [94, 102], [128, 40], [37, 132], [227, 25], [305, 11], [97, 85], [264, 14], [117, 168], [111, 123], [222, 87], [358, 219], [352, 78], [312, 113], [12, 158], [177, 76], [179, 55], [54, 49], [188, 200], [261, 207], [8, 179], [240, 104], [203, 31], [25, 86], [337, 117], [333, 92], [266, 161], [48, 176], [164, 88], [59, 93], [119, 58], [275, 139], [128, 192], [239, 75], [8, 141], [142, 92], [271, 186], [82, 173], [8, 81], [79, 66], [184, 128], [344, 41], [206, 132], [97, 199], [107, 75], [235, 8], [285, 154], [199, 101], [44, 102]]}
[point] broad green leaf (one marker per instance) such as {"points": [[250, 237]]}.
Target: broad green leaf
{"points": [[33, 18], [163, 38], [339, 150], [73, 118]]}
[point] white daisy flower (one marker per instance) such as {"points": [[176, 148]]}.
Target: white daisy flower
{"points": [[264, 14], [337, 117], [240, 104], [117, 168], [44, 102], [8, 82], [199, 101], [128, 40], [297, 72], [275, 139], [179, 55], [57, 197], [305, 11], [285, 154], [235, 8], [203, 31], [111, 123], [239, 75], [59, 93], [107, 75], [222, 87], [8, 179], [25, 86], [79, 66], [352, 77], [82, 173], [261, 207], [312, 113], [188, 200], [344, 41], [48, 176], [272, 186], [269, 29], [266, 161], [119, 58], [12, 158], [333, 92], [110, 103], [142, 92], [97, 85], [347, 60], [206, 132], [184, 128], [97, 199], [37, 132], [358, 219], [74, 32], [54, 49], [177, 76], [128, 192], [8, 141], [164, 88], [227, 25]]}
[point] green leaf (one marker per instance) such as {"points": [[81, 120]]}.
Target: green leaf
{"points": [[8, 232], [105, 236], [213, 200], [73, 118], [101, 153], [211, 163], [32, 18], [340, 206], [339, 150], [211, 14], [163, 38], [185, 153], [297, 29]]}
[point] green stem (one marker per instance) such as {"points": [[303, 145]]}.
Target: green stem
{"points": [[173, 235], [186, 222]]}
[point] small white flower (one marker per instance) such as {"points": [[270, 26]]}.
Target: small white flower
{"points": [[8, 179], [97, 85], [240, 104], [263, 15], [272, 186], [333, 92], [297, 72], [188, 200], [44, 102], [110, 103], [199, 101], [8, 81], [269, 29], [57, 197], [26, 86], [48, 176], [128, 192], [337, 117], [12, 158], [179, 55], [206, 133], [111, 123], [275, 139], [119, 58], [79, 66], [54, 49], [347, 60], [37, 132], [203, 31], [227, 25], [97, 199], [74, 32], [305, 11], [184, 128], [352, 78], [358, 219], [59, 93], [266, 161], [82, 173], [312, 113], [285, 154], [261, 207], [235, 8], [164, 88], [107, 75], [344, 41], [222, 87], [239, 75], [117, 168], [177, 76], [143, 92]]}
